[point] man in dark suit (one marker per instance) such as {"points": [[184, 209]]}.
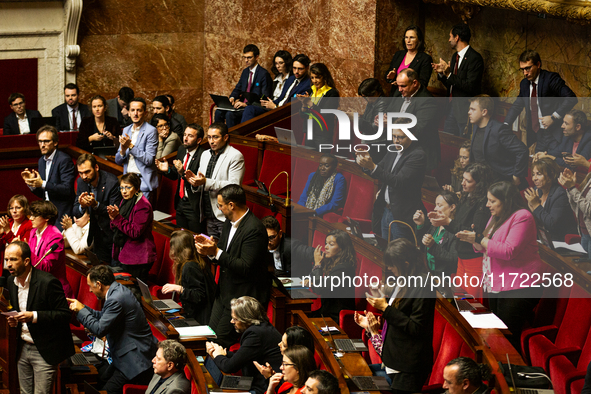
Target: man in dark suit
{"points": [[298, 83], [401, 174], [96, 190], [371, 90], [417, 100], [118, 107], [169, 364], [186, 202], [462, 77], [254, 79], [19, 122], [242, 256], [538, 94], [494, 143], [574, 129], [122, 320], [55, 179], [463, 375], [279, 246], [70, 114], [42, 318], [161, 105], [175, 115]]}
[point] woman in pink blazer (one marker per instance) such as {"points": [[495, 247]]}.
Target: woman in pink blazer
{"points": [[512, 268], [43, 235]]}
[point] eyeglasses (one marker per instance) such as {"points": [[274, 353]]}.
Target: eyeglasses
{"points": [[126, 188], [524, 69], [272, 237], [287, 364], [18, 104], [42, 142], [163, 126]]}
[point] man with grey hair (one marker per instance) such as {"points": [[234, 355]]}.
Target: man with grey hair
{"points": [[169, 363], [463, 375], [258, 343]]}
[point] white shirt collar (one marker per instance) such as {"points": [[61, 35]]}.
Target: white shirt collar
{"points": [[462, 53], [536, 80], [237, 222], [254, 69], [50, 157], [27, 281], [70, 109]]}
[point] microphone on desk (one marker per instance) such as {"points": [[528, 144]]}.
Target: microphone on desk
{"points": [[271, 205], [51, 250]]}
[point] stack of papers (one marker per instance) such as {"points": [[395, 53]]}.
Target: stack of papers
{"points": [[483, 320], [196, 331], [291, 282]]}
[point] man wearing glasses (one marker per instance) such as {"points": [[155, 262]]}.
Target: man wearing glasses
{"points": [[254, 79], [54, 181], [539, 94], [19, 122]]}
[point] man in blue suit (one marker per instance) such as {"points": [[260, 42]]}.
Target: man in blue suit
{"points": [[494, 143], [254, 79], [139, 143], [539, 90], [54, 181], [123, 321], [298, 83], [19, 121]]}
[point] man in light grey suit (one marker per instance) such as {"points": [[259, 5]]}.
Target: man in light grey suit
{"points": [[169, 376], [220, 166], [139, 143], [122, 320]]}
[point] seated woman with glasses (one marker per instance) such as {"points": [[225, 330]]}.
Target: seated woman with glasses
{"points": [[133, 243], [167, 142], [98, 130], [326, 189], [298, 363]]}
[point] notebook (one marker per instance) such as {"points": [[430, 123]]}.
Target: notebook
{"points": [[223, 102]]}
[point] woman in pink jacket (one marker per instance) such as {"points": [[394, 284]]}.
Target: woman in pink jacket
{"points": [[512, 268]]}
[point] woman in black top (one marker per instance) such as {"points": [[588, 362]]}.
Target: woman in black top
{"points": [[193, 279], [338, 259], [472, 215], [413, 56], [98, 130]]}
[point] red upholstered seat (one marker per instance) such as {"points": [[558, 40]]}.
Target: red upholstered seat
{"points": [[160, 241], [165, 275], [166, 197], [359, 204], [159, 336], [134, 389], [302, 170], [273, 164], [566, 370], [251, 157], [570, 336], [449, 153], [74, 277]]}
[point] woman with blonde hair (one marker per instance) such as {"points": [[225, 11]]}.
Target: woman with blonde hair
{"points": [[193, 279]]}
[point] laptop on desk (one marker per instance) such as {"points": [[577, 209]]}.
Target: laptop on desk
{"points": [[223, 102], [546, 239], [524, 390], [84, 358], [228, 382], [160, 305], [346, 345]]}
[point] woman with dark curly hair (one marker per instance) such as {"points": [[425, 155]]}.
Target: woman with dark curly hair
{"points": [[471, 215], [337, 260], [460, 164], [282, 70]]}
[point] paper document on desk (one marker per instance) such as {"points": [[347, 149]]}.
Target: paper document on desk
{"points": [[159, 215], [483, 320], [573, 247], [291, 282], [195, 331]]}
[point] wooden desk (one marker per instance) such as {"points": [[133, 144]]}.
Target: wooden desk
{"points": [[75, 378], [284, 307]]}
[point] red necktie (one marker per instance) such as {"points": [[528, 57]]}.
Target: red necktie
{"points": [[74, 120], [182, 188], [535, 121]]}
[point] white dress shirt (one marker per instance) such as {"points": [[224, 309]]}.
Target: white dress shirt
{"points": [[23, 124], [131, 166], [233, 229], [23, 297]]}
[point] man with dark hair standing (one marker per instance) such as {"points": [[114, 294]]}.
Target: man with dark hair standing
{"points": [[55, 179], [96, 190], [279, 246], [371, 90], [161, 105], [462, 77], [538, 94], [254, 79], [123, 321], [42, 318], [321, 382], [175, 115], [139, 143], [463, 375], [70, 114], [169, 375], [298, 83], [186, 201], [242, 256], [219, 166], [19, 121], [118, 107]]}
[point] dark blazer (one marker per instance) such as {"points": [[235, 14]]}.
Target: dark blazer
{"points": [[59, 185], [193, 165], [139, 247], [366, 124], [556, 216], [63, 115], [261, 83], [330, 100], [88, 128], [504, 152], [444, 253], [177, 383], [466, 83], [471, 217], [51, 333], [198, 293], [244, 263], [123, 321], [258, 343], [566, 145], [550, 86], [425, 108], [11, 122], [114, 111], [303, 86], [404, 185], [285, 255], [408, 345], [421, 64], [100, 223]]}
